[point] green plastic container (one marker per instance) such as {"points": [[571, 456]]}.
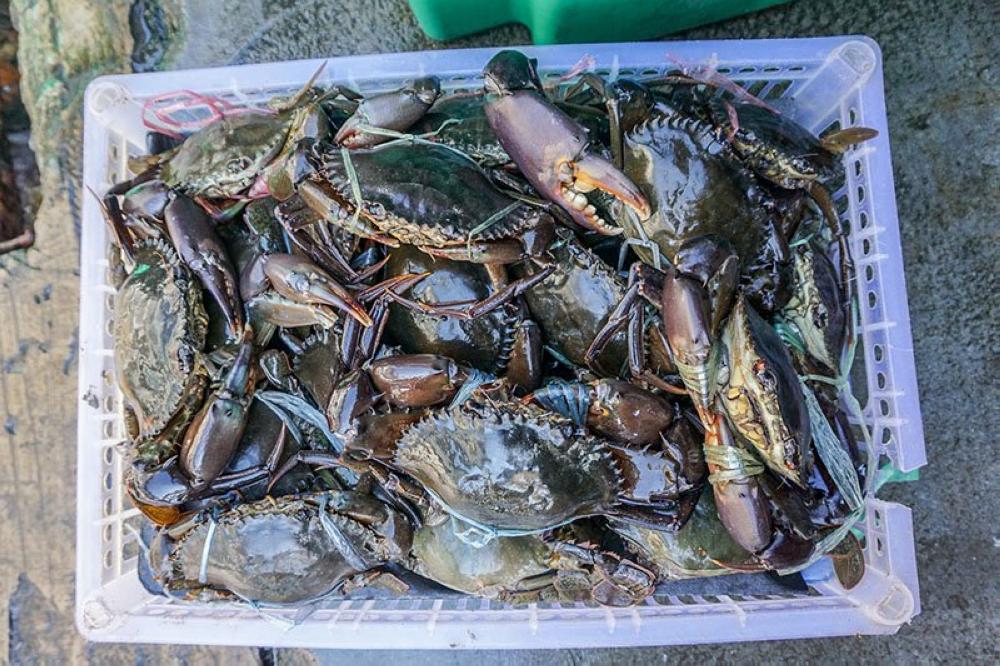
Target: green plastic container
{"points": [[577, 21]]}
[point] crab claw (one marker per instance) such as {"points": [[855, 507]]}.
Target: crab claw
{"points": [[193, 234], [299, 279], [591, 172], [276, 310], [396, 110], [551, 149], [838, 142], [686, 326], [214, 435]]}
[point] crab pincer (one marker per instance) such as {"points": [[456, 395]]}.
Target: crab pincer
{"points": [[396, 110], [214, 435], [193, 234], [551, 149], [299, 279], [417, 380]]}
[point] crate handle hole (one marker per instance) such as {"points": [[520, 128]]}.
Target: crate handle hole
{"points": [[106, 95], [96, 614]]}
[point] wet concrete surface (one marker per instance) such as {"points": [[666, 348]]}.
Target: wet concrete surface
{"points": [[944, 107]]}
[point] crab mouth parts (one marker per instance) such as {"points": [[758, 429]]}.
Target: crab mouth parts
{"points": [[574, 193]]}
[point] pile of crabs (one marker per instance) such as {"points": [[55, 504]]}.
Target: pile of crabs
{"points": [[530, 342]]}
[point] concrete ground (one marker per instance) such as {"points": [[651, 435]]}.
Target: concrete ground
{"points": [[943, 100]]}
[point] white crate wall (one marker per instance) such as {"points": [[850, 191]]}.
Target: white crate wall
{"points": [[826, 81]]}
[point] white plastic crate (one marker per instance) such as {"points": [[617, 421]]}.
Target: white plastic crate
{"points": [[837, 79]]}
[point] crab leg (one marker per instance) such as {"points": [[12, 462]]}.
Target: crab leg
{"points": [[510, 291], [838, 142], [359, 345], [630, 311], [341, 213], [821, 196], [471, 310], [321, 459], [614, 323], [116, 225], [480, 252]]}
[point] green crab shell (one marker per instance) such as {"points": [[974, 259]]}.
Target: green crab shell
{"points": [[574, 303], [486, 570], [763, 396], [694, 184], [223, 158], [427, 195], [511, 469], [159, 332], [277, 552], [701, 548]]}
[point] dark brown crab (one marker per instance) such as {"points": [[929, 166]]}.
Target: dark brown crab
{"points": [[502, 342], [436, 199], [424, 195], [168, 472], [574, 306], [511, 468], [783, 152]]}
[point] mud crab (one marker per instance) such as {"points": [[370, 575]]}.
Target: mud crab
{"points": [[511, 468], [167, 473], [762, 395], [160, 327], [815, 309], [501, 342], [575, 305], [284, 551], [531, 568]]}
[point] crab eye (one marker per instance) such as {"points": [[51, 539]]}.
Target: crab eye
{"points": [[820, 316], [238, 164], [764, 374]]}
